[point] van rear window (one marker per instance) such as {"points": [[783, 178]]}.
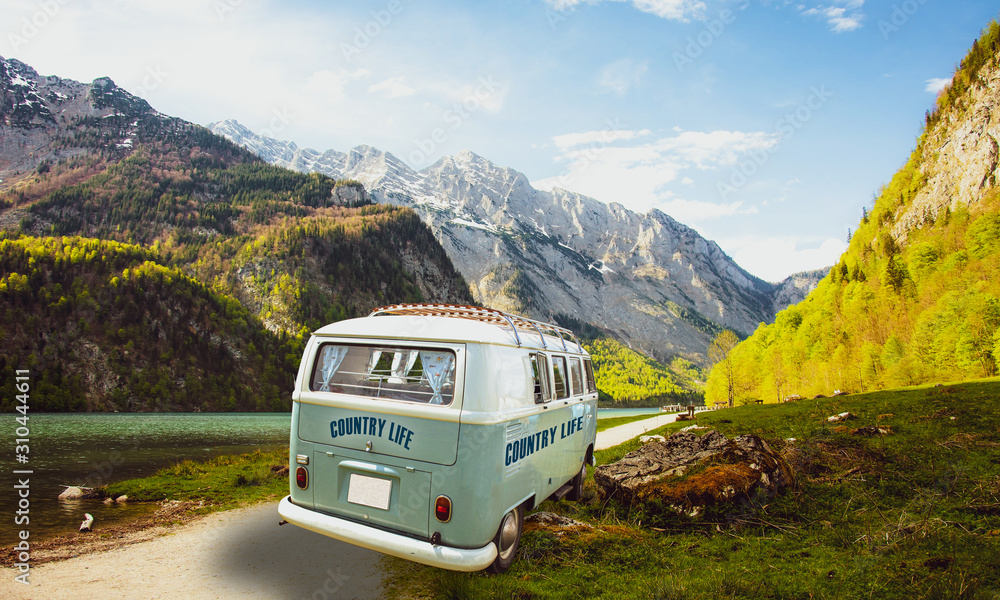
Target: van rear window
{"points": [[410, 374]]}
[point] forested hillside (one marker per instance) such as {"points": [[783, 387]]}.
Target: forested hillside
{"points": [[106, 326], [628, 378], [147, 264], [916, 297]]}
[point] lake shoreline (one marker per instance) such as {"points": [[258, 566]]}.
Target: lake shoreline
{"points": [[168, 518]]}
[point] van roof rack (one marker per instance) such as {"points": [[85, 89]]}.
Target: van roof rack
{"points": [[484, 315]]}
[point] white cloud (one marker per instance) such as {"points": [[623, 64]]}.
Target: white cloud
{"points": [[393, 87], [693, 211], [619, 76], [775, 258], [676, 10], [936, 84], [589, 138], [841, 16], [671, 9], [635, 168]]}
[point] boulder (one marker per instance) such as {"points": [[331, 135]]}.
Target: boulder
{"points": [[844, 416], [688, 473], [71, 493]]}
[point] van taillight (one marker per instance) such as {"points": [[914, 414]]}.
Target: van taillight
{"points": [[301, 477], [442, 509]]}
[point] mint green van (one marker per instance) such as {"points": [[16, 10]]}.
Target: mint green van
{"points": [[427, 431]]}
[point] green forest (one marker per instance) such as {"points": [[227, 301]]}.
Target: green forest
{"points": [[184, 274], [628, 378], [106, 326], [896, 310]]}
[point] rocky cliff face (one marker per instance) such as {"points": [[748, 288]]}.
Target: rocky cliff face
{"points": [[961, 159], [652, 282]]}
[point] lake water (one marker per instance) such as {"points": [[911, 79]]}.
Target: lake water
{"points": [[95, 449], [98, 448]]}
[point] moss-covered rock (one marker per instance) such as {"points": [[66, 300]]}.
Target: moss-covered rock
{"points": [[687, 474]]}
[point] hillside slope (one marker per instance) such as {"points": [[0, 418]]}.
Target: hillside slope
{"points": [[916, 297], [280, 252], [106, 326]]}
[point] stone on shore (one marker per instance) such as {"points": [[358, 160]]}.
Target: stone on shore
{"points": [[72, 493]]}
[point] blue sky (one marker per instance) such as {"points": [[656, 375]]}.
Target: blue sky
{"points": [[766, 125]]}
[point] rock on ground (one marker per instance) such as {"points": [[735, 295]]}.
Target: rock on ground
{"points": [[687, 473]]}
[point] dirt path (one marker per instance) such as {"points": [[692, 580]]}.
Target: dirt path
{"points": [[240, 553], [623, 433]]}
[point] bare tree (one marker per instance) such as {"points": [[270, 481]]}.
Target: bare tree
{"points": [[719, 356]]}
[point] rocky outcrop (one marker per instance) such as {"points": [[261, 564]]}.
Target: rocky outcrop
{"points": [[687, 473], [961, 157], [654, 283]]}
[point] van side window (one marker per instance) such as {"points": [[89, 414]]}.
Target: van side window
{"points": [[540, 377], [576, 376], [559, 371], [411, 374], [588, 368]]}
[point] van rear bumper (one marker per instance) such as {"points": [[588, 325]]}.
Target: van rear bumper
{"points": [[443, 557]]}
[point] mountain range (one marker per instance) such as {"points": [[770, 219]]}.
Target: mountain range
{"points": [[147, 263], [646, 279]]}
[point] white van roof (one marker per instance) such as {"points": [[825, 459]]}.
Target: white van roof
{"points": [[455, 323]]}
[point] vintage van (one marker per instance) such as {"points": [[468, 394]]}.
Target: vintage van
{"points": [[425, 431]]}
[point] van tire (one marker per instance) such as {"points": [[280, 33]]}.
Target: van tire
{"points": [[507, 540], [576, 494]]}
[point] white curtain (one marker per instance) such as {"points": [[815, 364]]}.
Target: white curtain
{"points": [[330, 359], [402, 362], [373, 361], [436, 367]]}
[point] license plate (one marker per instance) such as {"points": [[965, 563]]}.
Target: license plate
{"points": [[369, 491]]}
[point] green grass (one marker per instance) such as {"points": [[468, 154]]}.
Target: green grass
{"points": [[911, 515], [222, 482], [610, 422]]}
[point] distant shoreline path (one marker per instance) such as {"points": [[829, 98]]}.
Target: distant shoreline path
{"points": [[240, 553], [623, 433]]}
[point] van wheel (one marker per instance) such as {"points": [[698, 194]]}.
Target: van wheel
{"points": [[576, 493], [507, 539]]}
